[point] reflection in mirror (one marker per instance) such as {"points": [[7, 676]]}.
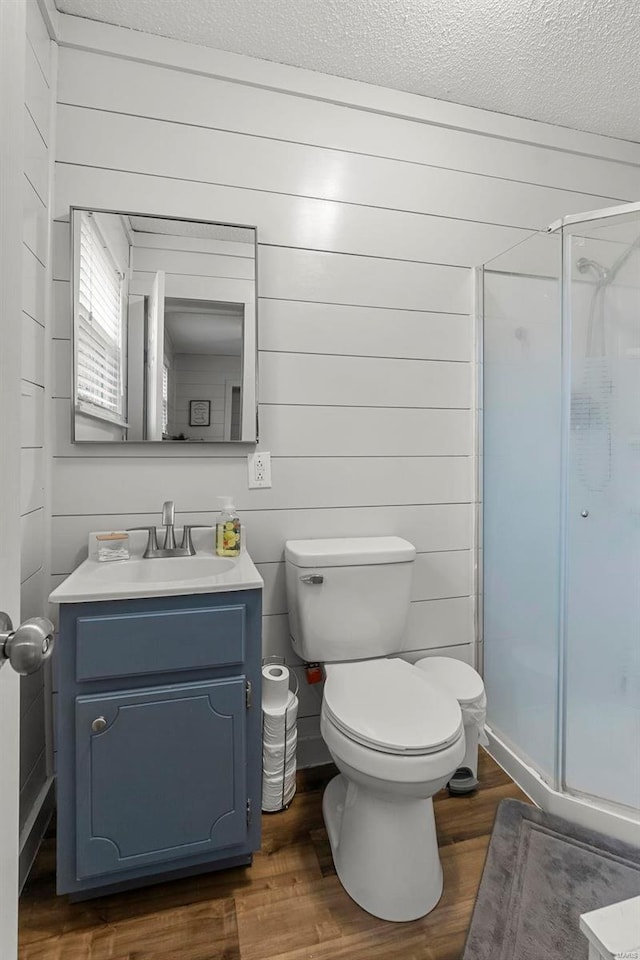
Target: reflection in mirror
{"points": [[164, 329]]}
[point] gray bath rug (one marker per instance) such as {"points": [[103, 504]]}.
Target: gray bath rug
{"points": [[541, 873]]}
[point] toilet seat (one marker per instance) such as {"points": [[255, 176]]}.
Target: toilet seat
{"points": [[389, 706]]}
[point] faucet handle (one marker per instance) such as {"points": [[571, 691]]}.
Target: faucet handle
{"points": [[168, 513], [187, 542], [152, 542]]}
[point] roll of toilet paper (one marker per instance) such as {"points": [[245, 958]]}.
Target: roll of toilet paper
{"points": [[279, 741], [275, 686]]}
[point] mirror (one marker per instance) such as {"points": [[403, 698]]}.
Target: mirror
{"points": [[164, 324]]}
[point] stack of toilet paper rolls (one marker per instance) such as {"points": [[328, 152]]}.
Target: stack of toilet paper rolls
{"points": [[279, 738]]}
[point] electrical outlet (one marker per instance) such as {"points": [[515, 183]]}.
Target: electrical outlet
{"points": [[259, 466]]}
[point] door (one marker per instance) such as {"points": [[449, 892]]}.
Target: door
{"points": [[160, 775], [155, 358], [12, 41], [602, 630]]}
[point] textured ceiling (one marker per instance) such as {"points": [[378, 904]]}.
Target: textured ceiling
{"points": [[569, 62]]}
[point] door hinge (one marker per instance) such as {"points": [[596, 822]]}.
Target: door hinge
{"points": [[248, 694], [249, 813]]}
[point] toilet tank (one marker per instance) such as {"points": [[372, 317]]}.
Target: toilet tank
{"points": [[348, 598]]}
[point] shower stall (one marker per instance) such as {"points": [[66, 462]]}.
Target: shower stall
{"points": [[559, 486]]}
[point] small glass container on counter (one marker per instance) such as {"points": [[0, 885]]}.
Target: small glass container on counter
{"points": [[112, 546]]}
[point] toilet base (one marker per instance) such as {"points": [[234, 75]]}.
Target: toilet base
{"points": [[385, 851]]}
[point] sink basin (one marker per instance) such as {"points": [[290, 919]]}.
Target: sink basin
{"points": [[161, 577], [163, 570]]}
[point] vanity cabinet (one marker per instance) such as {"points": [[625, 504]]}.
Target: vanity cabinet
{"points": [[157, 738]]}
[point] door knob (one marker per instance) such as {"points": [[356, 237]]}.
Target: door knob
{"points": [[29, 646], [98, 724]]}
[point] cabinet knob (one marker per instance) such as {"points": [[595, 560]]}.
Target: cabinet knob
{"points": [[98, 724]]}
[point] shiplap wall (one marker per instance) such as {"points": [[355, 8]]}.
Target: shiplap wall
{"points": [[203, 377], [367, 224], [33, 561]]}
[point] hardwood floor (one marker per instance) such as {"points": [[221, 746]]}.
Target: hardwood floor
{"points": [[288, 906]]}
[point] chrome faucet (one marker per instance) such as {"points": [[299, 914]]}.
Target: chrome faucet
{"points": [[169, 548], [168, 519]]}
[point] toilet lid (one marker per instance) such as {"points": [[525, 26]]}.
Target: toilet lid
{"points": [[459, 678], [390, 706]]}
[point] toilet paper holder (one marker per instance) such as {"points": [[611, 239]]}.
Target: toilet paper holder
{"points": [[287, 790], [294, 685]]}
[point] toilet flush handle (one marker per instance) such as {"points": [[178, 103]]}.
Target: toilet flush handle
{"points": [[312, 578]]}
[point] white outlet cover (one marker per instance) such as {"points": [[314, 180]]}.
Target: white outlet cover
{"points": [[259, 469]]}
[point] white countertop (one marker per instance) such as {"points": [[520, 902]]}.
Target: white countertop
{"points": [[166, 577], [615, 929]]}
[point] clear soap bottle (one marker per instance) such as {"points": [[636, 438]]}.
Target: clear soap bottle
{"points": [[228, 529]]}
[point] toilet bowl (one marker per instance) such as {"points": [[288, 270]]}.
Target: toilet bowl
{"points": [[396, 741], [394, 736]]}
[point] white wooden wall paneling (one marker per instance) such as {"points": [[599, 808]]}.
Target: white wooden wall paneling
{"points": [[431, 623], [33, 286], [33, 538], [364, 381], [36, 93], [32, 367], [128, 87], [304, 327], [431, 527], [436, 576], [31, 414], [32, 591], [35, 228], [299, 327], [134, 143], [104, 38], [307, 431], [338, 381], [86, 485], [36, 160], [38, 37], [298, 274], [289, 221], [31, 479]]}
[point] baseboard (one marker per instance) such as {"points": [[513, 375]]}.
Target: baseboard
{"points": [[34, 829], [586, 813]]}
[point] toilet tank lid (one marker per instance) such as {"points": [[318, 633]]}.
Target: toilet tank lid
{"points": [[348, 551]]}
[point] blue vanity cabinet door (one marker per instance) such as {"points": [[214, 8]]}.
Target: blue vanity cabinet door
{"points": [[164, 780]]}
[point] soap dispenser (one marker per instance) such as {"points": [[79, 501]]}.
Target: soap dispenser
{"points": [[228, 529]]}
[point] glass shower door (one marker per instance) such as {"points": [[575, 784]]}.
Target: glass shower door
{"points": [[602, 550], [521, 498]]}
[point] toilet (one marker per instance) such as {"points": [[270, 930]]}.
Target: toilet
{"points": [[395, 736]]}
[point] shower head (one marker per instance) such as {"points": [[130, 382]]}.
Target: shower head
{"points": [[585, 265], [604, 275]]}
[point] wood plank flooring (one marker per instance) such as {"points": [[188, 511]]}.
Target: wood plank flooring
{"points": [[288, 906]]}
